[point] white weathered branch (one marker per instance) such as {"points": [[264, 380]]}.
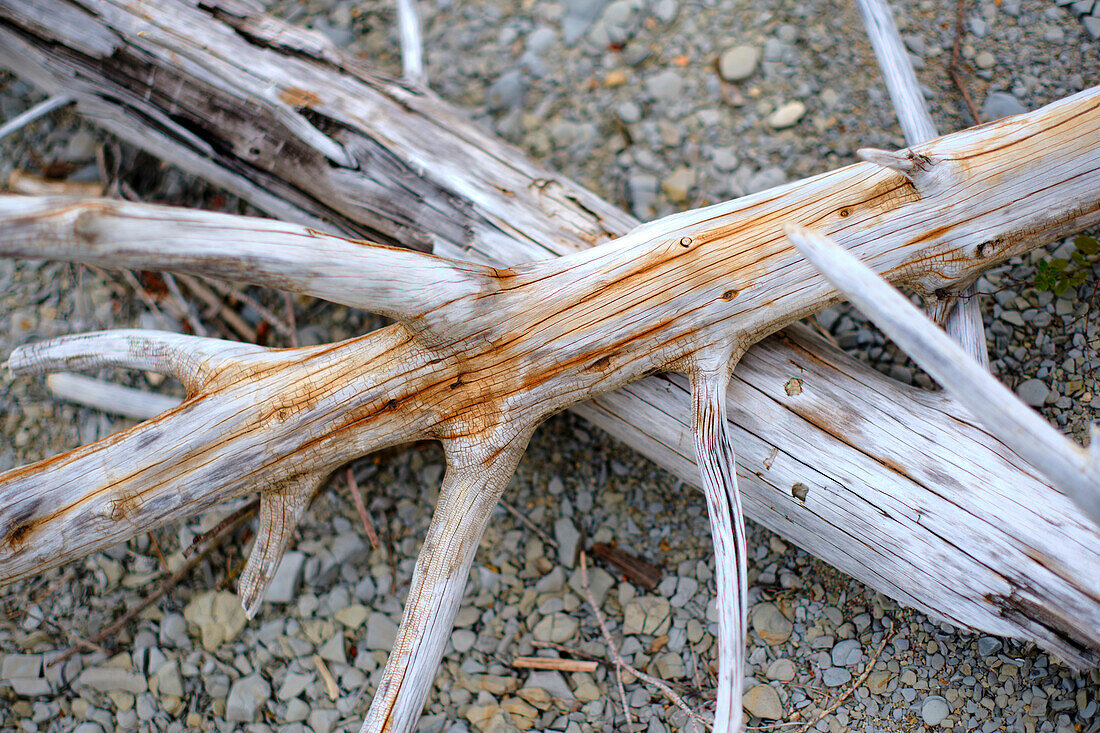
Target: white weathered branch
{"points": [[717, 468], [419, 289], [1074, 469], [113, 398], [412, 45], [477, 473], [865, 459], [960, 312]]}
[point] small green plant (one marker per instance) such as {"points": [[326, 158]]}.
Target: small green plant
{"points": [[1057, 275]]}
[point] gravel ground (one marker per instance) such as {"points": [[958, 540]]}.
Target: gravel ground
{"points": [[659, 105]]}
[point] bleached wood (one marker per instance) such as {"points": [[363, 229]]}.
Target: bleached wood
{"points": [[477, 472], [545, 335], [423, 290], [412, 44], [113, 398], [717, 467], [1074, 469], [872, 507], [41, 109], [963, 317]]}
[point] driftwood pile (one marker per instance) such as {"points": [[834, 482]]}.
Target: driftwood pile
{"points": [[529, 296]]}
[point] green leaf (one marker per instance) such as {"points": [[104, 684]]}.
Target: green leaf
{"points": [[1086, 244], [1060, 288]]}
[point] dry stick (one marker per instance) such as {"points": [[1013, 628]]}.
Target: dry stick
{"points": [[412, 46], [138, 288], [184, 307], [221, 532], [360, 507], [232, 519], [954, 68], [42, 108], [847, 693], [288, 306], [331, 687], [277, 323], [964, 321], [228, 316], [560, 665], [528, 523], [621, 664], [156, 549]]}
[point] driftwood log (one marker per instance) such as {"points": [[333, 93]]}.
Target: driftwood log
{"points": [[905, 489]]}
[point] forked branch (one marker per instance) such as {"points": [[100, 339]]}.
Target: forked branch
{"points": [[482, 355]]}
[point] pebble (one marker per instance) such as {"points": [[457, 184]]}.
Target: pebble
{"points": [[934, 709], [218, 615], [847, 653], [738, 63], [781, 669], [985, 60], [647, 615], [770, 623], [569, 540], [762, 701], [323, 720], [284, 584], [988, 645], [557, 628], [463, 640], [835, 676], [246, 696], [665, 86], [113, 679], [551, 682], [507, 91], [381, 632], [787, 115], [677, 185], [1001, 104], [1033, 392]]}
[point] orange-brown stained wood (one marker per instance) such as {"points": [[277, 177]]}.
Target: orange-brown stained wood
{"points": [[546, 336]]}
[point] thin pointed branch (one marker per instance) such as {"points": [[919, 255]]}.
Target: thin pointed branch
{"points": [[476, 477], [401, 284], [717, 466], [961, 310], [41, 109], [190, 359], [412, 44], [113, 398], [1073, 469]]}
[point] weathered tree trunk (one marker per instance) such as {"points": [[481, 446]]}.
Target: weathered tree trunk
{"points": [[898, 487]]}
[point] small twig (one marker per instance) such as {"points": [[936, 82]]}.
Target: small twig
{"points": [[232, 519], [282, 328], [288, 306], [184, 307], [528, 523], [42, 108], [361, 508], [622, 665], [156, 549], [219, 309], [142, 293], [852, 688], [223, 530], [561, 665], [331, 687], [955, 67]]}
